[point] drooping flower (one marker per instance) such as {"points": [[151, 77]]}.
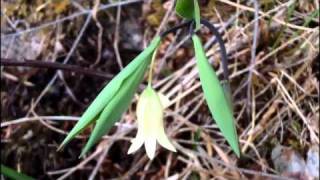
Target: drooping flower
{"points": [[150, 124], [114, 99]]}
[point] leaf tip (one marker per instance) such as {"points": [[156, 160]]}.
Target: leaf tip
{"points": [[60, 148], [237, 152], [235, 147]]}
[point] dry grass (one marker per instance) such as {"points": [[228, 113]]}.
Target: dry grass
{"points": [[275, 84]]}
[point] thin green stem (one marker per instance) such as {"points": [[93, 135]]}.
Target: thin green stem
{"points": [[151, 67]]}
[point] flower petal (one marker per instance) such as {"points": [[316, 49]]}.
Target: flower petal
{"points": [[165, 101], [136, 144], [150, 145], [163, 140]]}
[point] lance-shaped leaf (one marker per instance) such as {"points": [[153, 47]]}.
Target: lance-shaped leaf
{"points": [[189, 9], [119, 103], [215, 97], [109, 91], [13, 174]]}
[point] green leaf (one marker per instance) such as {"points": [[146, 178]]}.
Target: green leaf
{"points": [[107, 94], [185, 9], [116, 107], [197, 14], [13, 174], [215, 96], [227, 92], [190, 10]]}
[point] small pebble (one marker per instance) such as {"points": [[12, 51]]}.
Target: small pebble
{"points": [[312, 166]]}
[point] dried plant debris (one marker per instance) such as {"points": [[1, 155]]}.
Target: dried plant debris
{"points": [[276, 114], [289, 162], [29, 47], [312, 165]]}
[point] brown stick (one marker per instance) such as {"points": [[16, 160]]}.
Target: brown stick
{"points": [[55, 65]]}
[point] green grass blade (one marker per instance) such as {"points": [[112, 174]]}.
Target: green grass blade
{"points": [[13, 174], [215, 97], [308, 19], [185, 9], [116, 107], [108, 92]]}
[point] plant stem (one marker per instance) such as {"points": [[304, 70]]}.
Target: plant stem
{"points": [[151, 67], [175, 28]]}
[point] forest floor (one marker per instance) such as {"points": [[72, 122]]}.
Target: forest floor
{"points": [[57, 55]]}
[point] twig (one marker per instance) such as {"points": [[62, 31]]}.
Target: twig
{"points": [[13, 78], [69, 90], [118, 134], [216, 161], [253, 50], [250, 102], [75, 15], [116, 38], [162, 61], [75, 44], [54, 65], [53, 118], [100, 33], [292, 104], [80, 165], [264, 14], [165, 18]]}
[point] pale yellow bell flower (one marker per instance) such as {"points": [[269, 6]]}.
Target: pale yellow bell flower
{"points": [[150, 124]]}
